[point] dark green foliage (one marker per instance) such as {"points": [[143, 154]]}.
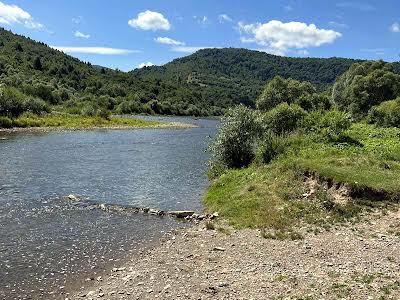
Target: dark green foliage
{"points": [[327, 125], [5, 122], [270, 147], [314, 102], [35, 106], [235, 143], [386, 114], [37, 64], [365, 85], [280, 90], [283, 119], [225, 77], [11, 102]]}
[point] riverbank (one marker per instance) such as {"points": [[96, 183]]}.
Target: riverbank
{"points": [[71, 122], [356, 261]]}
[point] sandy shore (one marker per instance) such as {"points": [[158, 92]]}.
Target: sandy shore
{"points": [[169, 125], [351, 262]]}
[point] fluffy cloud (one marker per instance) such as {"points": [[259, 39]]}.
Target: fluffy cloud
{"points": [[12, 14], [280, 37], [94, 50], [79, 34], [169, 41], [148, 64], [150, 20], [223, 18], [395, 27]]}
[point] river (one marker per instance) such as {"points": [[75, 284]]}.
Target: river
{"points": [[48, 246]]}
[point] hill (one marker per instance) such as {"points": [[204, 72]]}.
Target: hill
{"points": [[204, 83], [232, 76]]}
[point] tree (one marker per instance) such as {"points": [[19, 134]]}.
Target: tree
{"points": [[283, 118], [235, 143], [280, 90], [365, 85], [37, 64]]}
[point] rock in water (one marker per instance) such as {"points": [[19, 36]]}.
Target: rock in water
{"points": [[72, 197], [181, 213]]}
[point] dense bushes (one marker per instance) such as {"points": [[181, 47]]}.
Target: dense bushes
{"points": [[365, 85], [328, 125], [5, 122], [11, 102], [386, 114], [282, 119], [280, 90], [235, 143]]}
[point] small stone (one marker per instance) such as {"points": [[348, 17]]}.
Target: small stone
{"points": [[219, 249]]}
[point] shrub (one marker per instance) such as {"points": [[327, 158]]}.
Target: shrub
{"points": [[35, 105], [234, 145], [104, 114], [270, 147], [88, 110], [314, 102], [386, 114], [280, 90], [283, 119], [5, 122], [327, 125], [11, 102]]}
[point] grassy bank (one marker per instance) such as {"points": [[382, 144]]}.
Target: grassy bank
{"points": [[274, 196], [66, 121]]}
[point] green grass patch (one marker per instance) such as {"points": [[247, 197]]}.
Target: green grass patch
{"points": [[80, 122], [271, 197]]}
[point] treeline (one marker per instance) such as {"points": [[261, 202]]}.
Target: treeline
{"points": [[237, 76], [35, 78], [32, 71], [290, 112]]}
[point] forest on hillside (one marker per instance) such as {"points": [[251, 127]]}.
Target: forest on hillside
{"points": [[37, 79]]}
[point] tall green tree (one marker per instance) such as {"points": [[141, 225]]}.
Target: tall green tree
{"points": [[280, 90], [365, 85]]}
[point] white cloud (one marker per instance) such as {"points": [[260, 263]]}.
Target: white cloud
{"points": [[79, 34], [303, 52], [187, 49], [339, 25], [395, 27], [150, 20], [288, 8], [169, 41], [356, 5], [13, 14], [281, 37], [203, 21], [77, 20], [223, 18], [148, 64], [95, 50]]}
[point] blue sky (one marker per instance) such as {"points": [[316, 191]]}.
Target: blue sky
{"points": [[125, 34]]}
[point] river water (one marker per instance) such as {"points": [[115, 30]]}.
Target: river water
{"points": [[47, 245]]}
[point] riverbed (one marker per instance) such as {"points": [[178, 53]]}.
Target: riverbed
{"points": [[48, 247]]}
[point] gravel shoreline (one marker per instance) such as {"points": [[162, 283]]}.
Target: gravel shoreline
{"points": [[358, 261]]}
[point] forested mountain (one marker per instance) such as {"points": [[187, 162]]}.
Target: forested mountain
{"points": [[238, 75], [38, 71], [203, 83]]}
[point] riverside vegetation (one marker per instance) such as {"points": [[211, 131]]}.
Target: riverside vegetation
{"points": [[305, 160]]}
